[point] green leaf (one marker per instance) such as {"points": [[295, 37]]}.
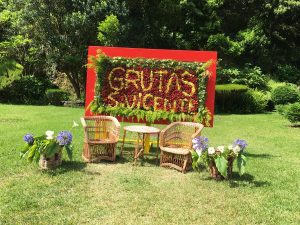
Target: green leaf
{"points": [[69, 149], [241, 163], [51, 149], [221, 164], [31, 152], [24, 150], [37, 156]]}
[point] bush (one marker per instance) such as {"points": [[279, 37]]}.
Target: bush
{"points": [[288, 73], [290, 112], [226, 75], [293, 113], [284, 94], [26, 90], [258, 102], [56, 96], [234, 98], [250, 76]]}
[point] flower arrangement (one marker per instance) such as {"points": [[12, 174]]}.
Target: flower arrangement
{"points": [[150, 89], [47, 149], [219, 160]]}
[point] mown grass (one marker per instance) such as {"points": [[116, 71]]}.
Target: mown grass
{"points": [[119, 193]]}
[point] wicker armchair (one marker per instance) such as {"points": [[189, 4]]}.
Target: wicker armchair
{"points": [[101, 134], [175, 142]]}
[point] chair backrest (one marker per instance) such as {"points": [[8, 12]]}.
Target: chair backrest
{"points": [[101, 127], [181, 134]]}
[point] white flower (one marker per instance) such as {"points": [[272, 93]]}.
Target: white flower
{"points": [[199, 152], [75, 124], [230, 147], [236, 149], [221, 148], [49, 134], [211, 150]]}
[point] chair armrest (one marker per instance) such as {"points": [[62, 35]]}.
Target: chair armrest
{"points": [[83, 122], [198, 132]]}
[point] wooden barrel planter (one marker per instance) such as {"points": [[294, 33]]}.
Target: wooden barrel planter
{"points": [[51, 162]]}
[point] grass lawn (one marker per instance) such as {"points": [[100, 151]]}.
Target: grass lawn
{"points": [[119, 193]]}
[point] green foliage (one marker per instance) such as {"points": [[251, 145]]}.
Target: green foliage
{"points": [[284, 95], [222, 165], [235, 98], [10, 71], [241, 164], [225, 75], [219, 157], [109, 31], [25, 90], [231, 88], [45, 148], [257, 101], [61, 33], [290, 112], [288, 73], [56, 96], [252, 77], [225, 44]]}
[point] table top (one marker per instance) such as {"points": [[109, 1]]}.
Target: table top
{"points": [[142, 129]]}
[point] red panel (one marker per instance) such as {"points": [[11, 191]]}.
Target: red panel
{"points": [[180, 55]]}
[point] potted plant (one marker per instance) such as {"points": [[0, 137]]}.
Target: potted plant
{"points": [[47, 149], [219, 160]]}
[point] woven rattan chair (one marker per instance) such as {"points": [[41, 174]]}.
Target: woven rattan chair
{"points": [[175, 142], [101, 134]]}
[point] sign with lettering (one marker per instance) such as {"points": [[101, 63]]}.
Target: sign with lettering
{"points": [[127, 82]]}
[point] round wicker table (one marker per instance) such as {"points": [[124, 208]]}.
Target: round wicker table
{"points": [[141, 131]]}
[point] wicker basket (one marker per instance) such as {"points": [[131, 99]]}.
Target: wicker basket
{"points": [[51, 162]]}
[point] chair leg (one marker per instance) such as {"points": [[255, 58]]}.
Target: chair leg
{"points": [[185, 164]]}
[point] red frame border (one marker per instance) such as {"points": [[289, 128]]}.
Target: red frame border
{"points": [[180, 55]]}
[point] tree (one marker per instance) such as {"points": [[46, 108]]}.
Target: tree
{"points": [[62, 30]]}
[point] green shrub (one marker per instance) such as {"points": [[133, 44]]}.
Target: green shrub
{"points": [[250, 76], [288, 73], [226, 75], [290, 112], [257, 101], [26, 90], [284, 95], [56, 96], [293, 113], [235, 98]]}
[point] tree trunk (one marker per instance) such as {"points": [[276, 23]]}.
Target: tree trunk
{"points": [[75, 84]]}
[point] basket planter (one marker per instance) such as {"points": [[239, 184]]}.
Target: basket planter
{"points": [[51, 162], [215, 174]]}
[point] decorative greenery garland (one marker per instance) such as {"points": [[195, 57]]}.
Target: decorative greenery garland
{"points": [[103, 64]]}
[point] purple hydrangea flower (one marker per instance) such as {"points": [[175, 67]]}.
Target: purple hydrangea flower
{"points": [[241, 143], [64, 138], [200, 143], [29, 138]]}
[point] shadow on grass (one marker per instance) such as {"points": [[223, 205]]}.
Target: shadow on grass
{"points": [[65, 167], [265, 156], [246, 180], [128, 157]]}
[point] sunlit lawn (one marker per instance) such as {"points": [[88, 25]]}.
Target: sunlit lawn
{"points": [[119, 193]]}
